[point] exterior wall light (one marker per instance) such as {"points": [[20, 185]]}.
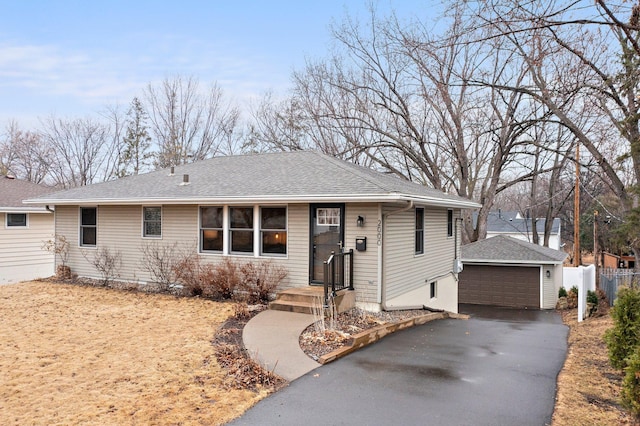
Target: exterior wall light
{"points": [[360, 221]]}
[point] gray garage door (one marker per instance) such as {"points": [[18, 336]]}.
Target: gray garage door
{"points": [[512, 286]]}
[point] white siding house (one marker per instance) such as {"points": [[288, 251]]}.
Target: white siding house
{"points": [[293, 209], [23, 229]]}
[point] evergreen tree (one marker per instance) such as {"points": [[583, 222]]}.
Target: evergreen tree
{"points": [[136, 154]]}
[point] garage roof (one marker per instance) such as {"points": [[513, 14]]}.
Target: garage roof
{"points": [[504, 249]]}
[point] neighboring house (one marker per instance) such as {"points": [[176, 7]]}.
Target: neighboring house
{"points": [[293, 209], [505, 271], [23, 230], [512, 224]]}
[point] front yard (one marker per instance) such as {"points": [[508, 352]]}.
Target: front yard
{"points": [[71, 354]]}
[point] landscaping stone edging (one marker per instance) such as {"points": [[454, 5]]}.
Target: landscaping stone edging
{"points": [[372, 335]]}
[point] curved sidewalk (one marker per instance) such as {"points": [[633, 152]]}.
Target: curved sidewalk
{"points": [[271, 337]]}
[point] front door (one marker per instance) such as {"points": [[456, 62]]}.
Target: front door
{"points": [[327, 235]]}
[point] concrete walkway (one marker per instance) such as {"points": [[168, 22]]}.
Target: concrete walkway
{"points": [[271, 337]]}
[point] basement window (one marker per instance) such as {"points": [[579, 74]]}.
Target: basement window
{"points": [[433, 290]]}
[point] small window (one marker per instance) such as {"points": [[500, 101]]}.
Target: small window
{"points": [[273, 230], [16, 220], [419, 245], [88, 226], [211, 231], [433, 290], [328, 216], [152, 218], [449, 223], [241, 229]]}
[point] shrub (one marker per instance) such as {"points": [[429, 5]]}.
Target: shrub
{"points": [[105, 262], [562, 292], [624, 337], [261, 279], [574, 290], [191, 274], [58, 245], [631, 384], [223, 280], [592, 297]]}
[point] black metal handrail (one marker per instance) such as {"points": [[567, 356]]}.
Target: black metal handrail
{"points": [[338, 273]]}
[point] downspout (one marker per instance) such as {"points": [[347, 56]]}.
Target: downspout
{"points": [[383, 293]]}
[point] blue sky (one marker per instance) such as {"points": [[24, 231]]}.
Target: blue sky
{"points": [[73, 58]]}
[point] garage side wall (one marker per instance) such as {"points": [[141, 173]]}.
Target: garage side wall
{"points": [[21, 255]]}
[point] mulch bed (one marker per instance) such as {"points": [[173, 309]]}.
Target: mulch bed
{"points": [[318, 339], [244, 372]]}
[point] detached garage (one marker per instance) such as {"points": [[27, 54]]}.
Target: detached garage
{"points": [[504, 271]]}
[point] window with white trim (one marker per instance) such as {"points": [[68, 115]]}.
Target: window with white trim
{"points": [[449, 223], [433, 290], [328, 216], [88, 226], [16, 220], [273, 231], [152, 222], [241, 229], [419, 231], [211, 229]]}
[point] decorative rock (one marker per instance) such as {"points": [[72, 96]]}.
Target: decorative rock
{"points": [[562, 303]]}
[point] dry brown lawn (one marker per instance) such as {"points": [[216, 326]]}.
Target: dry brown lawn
{"points": [[588, 387], [84, 355]]}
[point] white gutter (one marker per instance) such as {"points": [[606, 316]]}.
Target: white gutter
{"points": [[485, 262], [23, 209], [325, 198]]}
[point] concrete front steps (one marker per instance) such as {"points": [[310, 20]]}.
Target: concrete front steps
{"points": [[303, 300]]}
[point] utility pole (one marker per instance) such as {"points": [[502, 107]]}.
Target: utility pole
{"points": [[577, 261], [596, 257]]}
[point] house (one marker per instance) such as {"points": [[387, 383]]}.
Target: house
{"points": [[23, 231], [512, 224], [293, 209], [506, 271]]}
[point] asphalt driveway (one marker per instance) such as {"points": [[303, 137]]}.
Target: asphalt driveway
{"points": [[497, 368]]}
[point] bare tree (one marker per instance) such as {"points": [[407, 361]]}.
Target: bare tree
{"points": [[24, 155], [599, 71], [188, 124], [82, 149]]}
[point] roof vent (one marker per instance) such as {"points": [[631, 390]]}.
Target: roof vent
{"points": [[172, 170], [10, 177], [185, 180]]}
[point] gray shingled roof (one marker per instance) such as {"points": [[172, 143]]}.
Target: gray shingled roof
{"points": [[506, 222], [277, 177], [13, 191], [504, 249]]}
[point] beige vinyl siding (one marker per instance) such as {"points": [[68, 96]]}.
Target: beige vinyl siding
{"points": [[120, 230], [549, 294], [297, 261], [365, 263], [21, 253], [405, 271]]}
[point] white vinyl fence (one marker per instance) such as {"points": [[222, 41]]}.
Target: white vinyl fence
{"points": [[583, 277]]}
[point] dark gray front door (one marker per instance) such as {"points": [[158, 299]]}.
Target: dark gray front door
{"points": [[327, 235]]}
